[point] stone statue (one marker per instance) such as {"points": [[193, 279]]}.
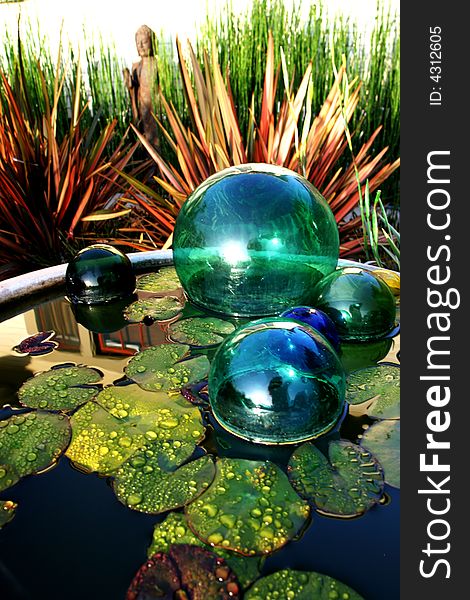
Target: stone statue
{"points": [[140, 82]]}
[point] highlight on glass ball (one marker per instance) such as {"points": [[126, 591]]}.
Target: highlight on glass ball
{"points": [[98, 274], [254, 239], [276, 381], [361, 306], [316, 319]]}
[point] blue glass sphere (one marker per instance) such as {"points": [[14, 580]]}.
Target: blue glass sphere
{"points": [[276, 381], [316, 319], [254, 239]]}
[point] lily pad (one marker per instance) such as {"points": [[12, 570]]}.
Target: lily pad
{"points": [[166, 280], [380, 387], [300, 585], [175, 530], [60, 388], [346, 485], [250, 508], [38, 344], [125, 419], [200, 331], [162, 368], [383, 440], [156, 309], [30, 443], [185, 572], [150, 482], [7, 511]]}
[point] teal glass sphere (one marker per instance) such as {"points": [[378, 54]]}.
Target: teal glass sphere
{"points": [[360, 305], [253, 240], [276, 381], [98, 274]]}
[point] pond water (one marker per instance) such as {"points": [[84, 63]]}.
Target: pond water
{"points": [[71, 537]]}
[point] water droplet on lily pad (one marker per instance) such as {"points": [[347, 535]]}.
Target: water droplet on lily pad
{"points": [[156, 309], [247, 535], [60, 388], [346, 484], [7, 511], [300, 585], [200, 331], [166, 280], [165, 369], [377, 386], [383, 440], [30, 443]]}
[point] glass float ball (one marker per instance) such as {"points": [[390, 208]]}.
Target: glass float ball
{"points": [[254, 239], [99, 273], [360, 305], [276, 381], [316, 319]]}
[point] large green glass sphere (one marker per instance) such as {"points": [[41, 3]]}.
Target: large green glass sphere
{"points": [[360, 305], [253, 240], [276, 381]]}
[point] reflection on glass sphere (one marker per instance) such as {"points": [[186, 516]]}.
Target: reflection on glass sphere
{"points": [[254, 239], [99, 273], [316, 319], [276, 381], [360, 305]]}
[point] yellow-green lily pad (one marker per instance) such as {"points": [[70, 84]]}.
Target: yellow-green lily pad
{"points": [[300, 585], [125, 419], [63, 387], [30, 443], [250, 508], [154, 309], [175, 530], [152, 483], [200, 331], [7, 511], [346, 484], [377, 386], [162, 368], [383, 440], [165, 280]]}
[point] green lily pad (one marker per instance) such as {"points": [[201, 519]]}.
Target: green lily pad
{"points": [[200, 331], [175, 530], [30, 443], [156, 309], [300, 585], [7, 511], [126, 418], [383, 440], [158, 367], [60, 388], [379, 386], [152, 483], [186, 572], [166, 280], [250, 508], [346, 485]]}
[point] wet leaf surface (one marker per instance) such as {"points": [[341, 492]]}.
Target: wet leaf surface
{"points": [[250, 508], [166, 280], [383, 440], [154, 309], [38, 344], [30, 443], [347, 484], [125, 419], [379, 386], [175, 530], [300, 585], [157, 579], [7, 511], [149, 481], [158, 368], [200, 331], [60, 388]]}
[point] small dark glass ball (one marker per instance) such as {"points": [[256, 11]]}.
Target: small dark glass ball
{"points": [[316, 319], [98, 274]]}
